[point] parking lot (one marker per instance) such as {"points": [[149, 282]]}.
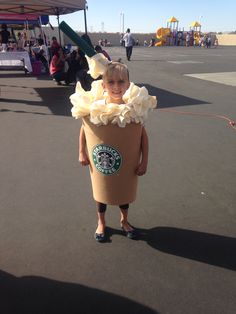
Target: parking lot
{"points": [[184, 261]]}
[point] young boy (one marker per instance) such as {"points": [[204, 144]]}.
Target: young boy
{"points": [[115, 83]]}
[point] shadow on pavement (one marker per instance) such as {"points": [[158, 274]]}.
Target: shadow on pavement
{"points": [[37, 295], [55, 98], [168, 99], [23, 111], [13, 75], [199, 246]]}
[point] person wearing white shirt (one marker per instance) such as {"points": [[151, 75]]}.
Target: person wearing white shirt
{"points": [[129, 42]]}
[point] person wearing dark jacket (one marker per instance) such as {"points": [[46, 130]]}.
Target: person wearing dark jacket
{"points": [[4, 37]]}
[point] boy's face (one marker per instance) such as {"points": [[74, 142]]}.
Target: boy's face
{"points": [[116, 86]]}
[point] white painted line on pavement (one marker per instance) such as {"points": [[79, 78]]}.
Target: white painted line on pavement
{"points": [[227, 78]]}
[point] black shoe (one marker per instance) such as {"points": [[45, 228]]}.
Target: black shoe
{"points": [[132, 234], [100, 237]]}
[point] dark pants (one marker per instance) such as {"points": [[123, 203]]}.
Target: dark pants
{"points": [[129, 52], [102, 207], [59, 76]]}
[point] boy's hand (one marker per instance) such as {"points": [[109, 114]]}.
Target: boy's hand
{"points": [[142, 169], [83, 159]]}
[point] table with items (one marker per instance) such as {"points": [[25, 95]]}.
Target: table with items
{"points": [[16, 59]]}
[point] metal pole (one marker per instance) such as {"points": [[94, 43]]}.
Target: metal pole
{"points": [[85, 18], [59, 31], [123, 23], [44, 41], [121, 18]]}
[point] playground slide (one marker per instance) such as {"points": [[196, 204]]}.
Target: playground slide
{"points": [[161, 35], [160, 43]]}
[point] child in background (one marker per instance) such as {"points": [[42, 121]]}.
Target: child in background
{"points": [[115, 82]]}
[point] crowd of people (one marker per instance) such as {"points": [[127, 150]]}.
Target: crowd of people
{"points": [[64, 64], [69, 65], [72, 66]]}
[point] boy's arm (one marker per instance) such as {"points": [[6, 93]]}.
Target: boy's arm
{"points": [[83, 157], [142, 167]]}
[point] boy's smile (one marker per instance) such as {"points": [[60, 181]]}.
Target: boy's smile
{"points": [[116, 88]]}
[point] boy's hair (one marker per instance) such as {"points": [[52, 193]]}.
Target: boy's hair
{"points": [[116, 66]]}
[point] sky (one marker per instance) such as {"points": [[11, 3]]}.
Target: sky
{"points": [[149, 15]]}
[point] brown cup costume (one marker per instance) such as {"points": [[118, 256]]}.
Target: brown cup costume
{"points": [[113, 138]]}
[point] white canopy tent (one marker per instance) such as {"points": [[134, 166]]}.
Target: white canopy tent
{"points": [[42, 7]]}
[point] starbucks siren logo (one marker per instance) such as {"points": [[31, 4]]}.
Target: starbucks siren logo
{"points": [[107, 159]]}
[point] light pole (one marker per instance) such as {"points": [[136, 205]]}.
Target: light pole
{"points": [[85, 18], [122, 22], [200, 19], [200, 22]]}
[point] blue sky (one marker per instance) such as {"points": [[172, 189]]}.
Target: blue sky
{"points": [[147, 16]]}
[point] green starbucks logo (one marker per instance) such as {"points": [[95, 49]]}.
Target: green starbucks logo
{"points": [[107, 159]]}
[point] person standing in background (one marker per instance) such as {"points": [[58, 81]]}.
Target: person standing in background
{"points": [[129, 43], [20, 41], [4, 37], [42, 54], [187, 40]]}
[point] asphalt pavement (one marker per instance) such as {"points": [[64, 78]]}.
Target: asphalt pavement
{"points": [[184, 261]]}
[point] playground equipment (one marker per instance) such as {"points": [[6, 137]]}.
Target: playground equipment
{"points": [[195, 27], [166, 35], [173, 23], [173, 35], [161, 35]]}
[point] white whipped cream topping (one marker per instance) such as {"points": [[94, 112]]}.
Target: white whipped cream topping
{"points": [[97, 64], [137, 104]]}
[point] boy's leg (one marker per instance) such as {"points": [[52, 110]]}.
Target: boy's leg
{"points": [[124, 217], [130, 232], [101, 209]]}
